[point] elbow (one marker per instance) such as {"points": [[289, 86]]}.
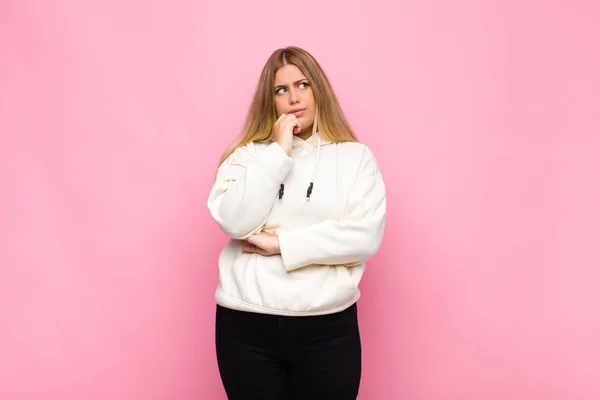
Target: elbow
{"points": [[236, 230], [370, 249], [229, 222], [372, 242], [239, 234], [235, 221]]}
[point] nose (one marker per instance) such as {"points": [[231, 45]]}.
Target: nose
{"points": [[293, 97]]}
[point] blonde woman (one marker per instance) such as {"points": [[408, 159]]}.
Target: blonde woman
{"points": [[304, 205]]}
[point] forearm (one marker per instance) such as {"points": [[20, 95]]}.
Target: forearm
{"points": [[351, 240], [244, 194], [330, 243]]}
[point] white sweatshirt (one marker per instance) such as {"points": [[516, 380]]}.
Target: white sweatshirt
{"points": [[324, 240]]}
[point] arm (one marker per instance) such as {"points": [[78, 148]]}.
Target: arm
{"points": [[246, 187], [352, 240]]}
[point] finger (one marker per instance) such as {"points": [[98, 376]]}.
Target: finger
{"points": [[249, 248], [256, 240], [291, 122], [292, 118], [262, 252], [257, 246]]}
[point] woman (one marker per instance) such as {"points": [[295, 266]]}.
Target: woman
{"points": [[304, 204]]}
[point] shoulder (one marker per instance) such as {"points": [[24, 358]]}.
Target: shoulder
{"points": [[356, 152], [259, 147], [243, 154], [253, 147], [356, 160]]}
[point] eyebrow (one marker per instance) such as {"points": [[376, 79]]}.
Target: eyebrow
{"points": [[298, 81]]}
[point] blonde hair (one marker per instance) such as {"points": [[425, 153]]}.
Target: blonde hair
{"points": [[262, 115]]}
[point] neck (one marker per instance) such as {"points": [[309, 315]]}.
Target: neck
{"points": [[305, 133]]}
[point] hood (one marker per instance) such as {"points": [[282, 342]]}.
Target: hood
{"points": [[315, 142]]}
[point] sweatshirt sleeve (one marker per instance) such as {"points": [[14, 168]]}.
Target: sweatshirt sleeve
{"points": [[246, 187], [352, 240]]}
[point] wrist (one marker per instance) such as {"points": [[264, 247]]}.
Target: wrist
{"points": [[277, 247], [286, 148]]}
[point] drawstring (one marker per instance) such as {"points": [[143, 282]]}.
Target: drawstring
{"points": [[309, 191], [310, 187], [316, 168]]}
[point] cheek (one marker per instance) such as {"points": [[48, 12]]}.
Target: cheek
{"points": [[312, 106], [279, 105], [311, 100]]}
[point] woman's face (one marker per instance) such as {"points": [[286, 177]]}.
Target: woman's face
{"points": [[294, 95]]}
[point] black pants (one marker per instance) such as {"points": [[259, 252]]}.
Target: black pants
{"points": [[267, 357]]}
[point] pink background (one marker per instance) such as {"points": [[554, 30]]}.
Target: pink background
{"points": [[485, 117]]}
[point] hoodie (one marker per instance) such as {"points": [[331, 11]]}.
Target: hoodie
{"points": [[327, 204]]}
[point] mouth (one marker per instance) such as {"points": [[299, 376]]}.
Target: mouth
{"points": [[297, 112]]}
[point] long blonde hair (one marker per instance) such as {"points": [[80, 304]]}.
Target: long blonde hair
{"points": [[262, 115]]}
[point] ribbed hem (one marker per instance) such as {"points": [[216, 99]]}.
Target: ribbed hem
{"points": [[227, 301]]}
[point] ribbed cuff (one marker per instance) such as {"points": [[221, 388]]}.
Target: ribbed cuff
{"points": [[275, 162], [293, 246]]}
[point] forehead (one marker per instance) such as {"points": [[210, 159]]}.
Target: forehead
{"points": [[288, 74]]}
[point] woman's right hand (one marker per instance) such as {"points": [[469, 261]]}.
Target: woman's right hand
{"points": [[286, 126]]}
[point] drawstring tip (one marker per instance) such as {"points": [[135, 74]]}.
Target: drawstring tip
{"points": [[309, 191], [281, 191]]}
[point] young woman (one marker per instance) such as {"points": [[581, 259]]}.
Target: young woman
{"points": [[304, 205]]}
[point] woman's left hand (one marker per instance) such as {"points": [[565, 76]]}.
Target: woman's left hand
{"points": [[263, 243]]}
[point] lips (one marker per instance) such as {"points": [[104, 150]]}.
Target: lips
{"points": [[298, 112]]}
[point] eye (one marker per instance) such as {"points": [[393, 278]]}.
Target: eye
{"points": [[280, 90], [303, 85]]}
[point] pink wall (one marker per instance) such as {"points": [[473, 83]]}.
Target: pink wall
{"points": [[486, 122]]}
